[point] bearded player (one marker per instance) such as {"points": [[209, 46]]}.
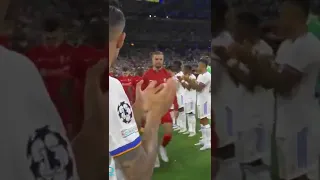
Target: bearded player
{"points": [[161, 75], [202, 85]]}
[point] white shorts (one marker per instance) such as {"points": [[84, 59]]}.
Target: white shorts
{"points": [[224, 123], [297, 154], [253, 144], [190, 106], [204, 110], [180, 99]]}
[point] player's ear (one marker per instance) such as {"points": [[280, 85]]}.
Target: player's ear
{"points": [[121, 39]]}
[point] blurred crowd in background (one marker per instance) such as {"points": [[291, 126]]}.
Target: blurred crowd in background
{"points": [[184, 40]]}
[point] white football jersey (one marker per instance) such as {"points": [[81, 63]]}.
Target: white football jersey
{"points": [[225, 95], [301, 110], [34, 142], [180, 89], [204, 95], [257, 107], [191, 94], [123, 131], [224, 91]]}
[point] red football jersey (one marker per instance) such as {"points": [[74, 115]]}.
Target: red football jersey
{"points": [[83, 58], [54, 66], [4, 41], [160, 76], [136, 79], [128, 86]]}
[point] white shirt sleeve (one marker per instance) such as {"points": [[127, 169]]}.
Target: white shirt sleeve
{"points": [[36, 112], [123, 131], [204, 79], [307, 53]]}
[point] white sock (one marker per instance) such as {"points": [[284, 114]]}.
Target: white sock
{"points": [[174, 119], [207, 133], [191, 118], [183, 117], [178, 120], [229, 170]]}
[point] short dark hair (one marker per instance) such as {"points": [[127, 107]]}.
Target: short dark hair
{"points": [[204, 61], [304, 5], [248, 19], [116, 18], [169, 68], [124, 69], [115, 3], [188, 67], [51, 24], [177, 63]]}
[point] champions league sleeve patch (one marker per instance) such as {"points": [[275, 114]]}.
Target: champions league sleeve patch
{"points": [[125, 112], [48, 155]]}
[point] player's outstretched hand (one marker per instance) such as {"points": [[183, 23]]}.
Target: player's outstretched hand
{"points": [[157, 99], [162, 100], [143, 96]]}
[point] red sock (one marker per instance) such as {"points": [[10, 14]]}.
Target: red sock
{"points": [[166, 139]]}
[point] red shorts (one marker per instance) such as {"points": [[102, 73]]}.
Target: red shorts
{"points": [[166, 118]]}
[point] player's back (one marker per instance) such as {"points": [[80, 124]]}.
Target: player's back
{"points": [[28, 118]]}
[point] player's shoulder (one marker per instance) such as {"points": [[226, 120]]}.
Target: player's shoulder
{"points": [[223, 39], [179, 74], [207, 75], [14, 62], [115, 83], [264, 47], [312, 43], [148, 71]]}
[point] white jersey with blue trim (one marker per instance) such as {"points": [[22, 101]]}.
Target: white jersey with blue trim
{"points": [[123, 131]]}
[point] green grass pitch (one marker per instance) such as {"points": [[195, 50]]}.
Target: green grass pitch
{"points": [[186, 161]]}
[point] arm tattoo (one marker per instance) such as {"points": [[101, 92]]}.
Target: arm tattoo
{"points": [[138, 164]]}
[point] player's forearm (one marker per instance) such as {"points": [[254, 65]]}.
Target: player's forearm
{"points": [[242, 77], [92, 139], [185, 85], [138, 164], [91, 156], [150, 142]]}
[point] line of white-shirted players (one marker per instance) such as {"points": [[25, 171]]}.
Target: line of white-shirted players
{"points": [[186, 122]]}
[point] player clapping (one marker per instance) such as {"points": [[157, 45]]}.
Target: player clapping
{"points": [[135, 157], [190, 99], [202, 85]]}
